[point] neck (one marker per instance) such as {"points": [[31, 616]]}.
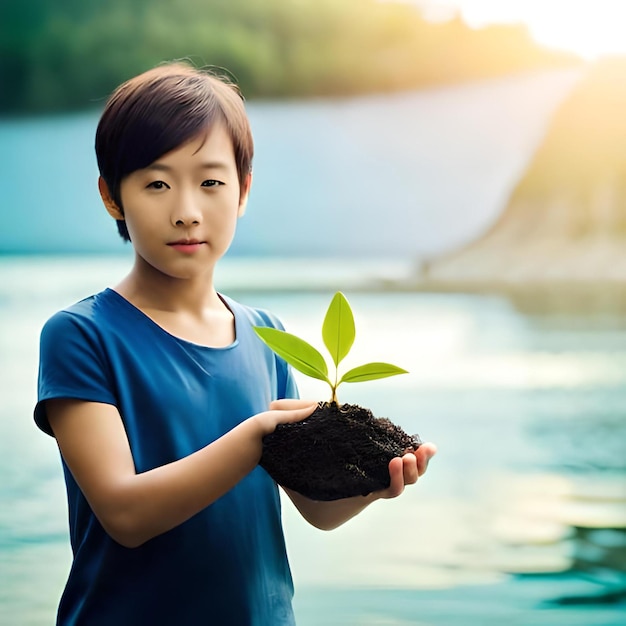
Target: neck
{"points": [[149, 289]]}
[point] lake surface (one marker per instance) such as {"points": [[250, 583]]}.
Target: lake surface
{"points": [[407, 175], [521, 518]]}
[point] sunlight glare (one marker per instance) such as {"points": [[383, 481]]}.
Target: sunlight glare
{"points": [[588, 28]]}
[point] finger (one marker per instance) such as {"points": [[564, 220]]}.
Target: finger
{"points": [[286, 416], [288, 404], [423, 455], [409, 468], [396, 476]]}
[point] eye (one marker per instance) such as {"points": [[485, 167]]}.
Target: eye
{"points": [[157, 184], [211, 183]]}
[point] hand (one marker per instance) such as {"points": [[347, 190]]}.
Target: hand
{"points": [[407, 469], [284, 412]]}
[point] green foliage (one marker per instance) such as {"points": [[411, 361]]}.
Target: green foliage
{"points": [[338, 329], [371, 371], [338, 333], [297, 352], [72, 53]]}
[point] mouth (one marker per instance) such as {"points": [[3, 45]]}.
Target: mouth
{"points": [[185, 242], [186, 245]]}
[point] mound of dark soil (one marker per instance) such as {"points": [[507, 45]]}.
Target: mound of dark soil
{"points": [[337, 452]]}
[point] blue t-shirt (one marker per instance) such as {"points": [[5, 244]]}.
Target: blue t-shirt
{"points": [[225, 566]]}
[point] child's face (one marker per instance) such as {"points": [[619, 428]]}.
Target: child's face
{"points": [[181, 211]]}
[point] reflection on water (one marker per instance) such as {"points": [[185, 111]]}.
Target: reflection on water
{"points": [[570, 512], [567, 529], [604, 302], [585, 502], [601, 555]]}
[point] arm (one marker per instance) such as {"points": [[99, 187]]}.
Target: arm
{"points": [[136, 507], [402, 471]]}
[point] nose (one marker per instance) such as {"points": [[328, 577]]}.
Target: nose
{"points": [[187, 211], [183, 222]]}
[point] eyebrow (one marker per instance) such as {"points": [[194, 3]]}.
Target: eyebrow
{"points": [[208, 165]]}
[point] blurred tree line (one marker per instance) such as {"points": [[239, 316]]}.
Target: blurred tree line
{"points": [[68, 54]]}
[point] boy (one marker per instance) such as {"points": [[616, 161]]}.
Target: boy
{"points": [[158, 392]]}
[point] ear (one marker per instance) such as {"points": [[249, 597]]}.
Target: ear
{"points": [[112, 209], [243, 197]]}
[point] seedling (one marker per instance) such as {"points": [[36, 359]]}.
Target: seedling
{"points": [[338, 332]]}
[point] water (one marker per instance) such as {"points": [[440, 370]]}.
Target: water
{"points": [[521, 518], [407, 175]]}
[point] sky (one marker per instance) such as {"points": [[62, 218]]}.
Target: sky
{"points": [[590, 28]]}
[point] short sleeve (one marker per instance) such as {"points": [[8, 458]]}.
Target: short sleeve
{"points": [[286, 384], [71, 365], [287, 387]]}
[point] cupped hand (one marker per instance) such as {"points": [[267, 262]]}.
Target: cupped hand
{"points": [[407, 469]]}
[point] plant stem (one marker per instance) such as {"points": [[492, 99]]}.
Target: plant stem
{"points": [[334, 387], [334, 396]]}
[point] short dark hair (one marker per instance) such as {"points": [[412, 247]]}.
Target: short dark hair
{"points": [[158, 111]]}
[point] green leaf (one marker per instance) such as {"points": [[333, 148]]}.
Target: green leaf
{"points": [[297, 352], [338, 328], [371, 371]]}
